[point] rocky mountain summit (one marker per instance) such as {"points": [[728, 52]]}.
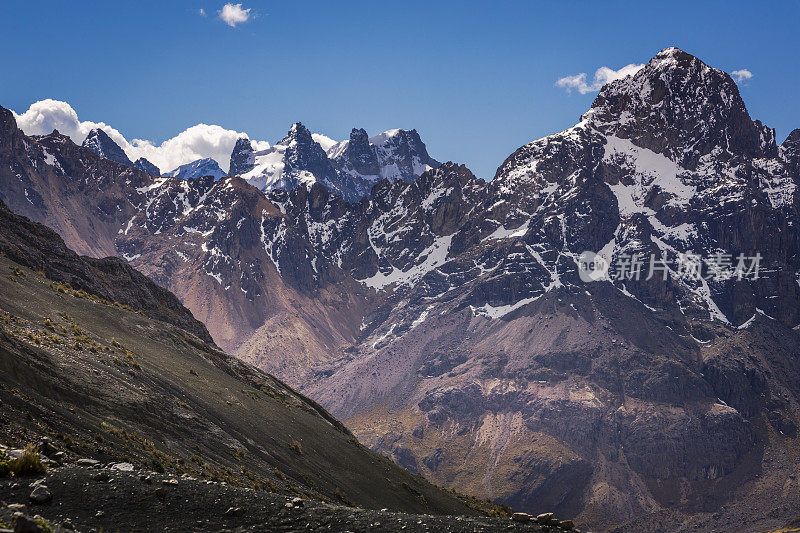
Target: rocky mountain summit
{"points": [[447, 319], [710, 180], [350, 168], [296, 159], [100, 143]]}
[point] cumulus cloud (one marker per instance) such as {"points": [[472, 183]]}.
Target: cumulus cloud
{"points": [[197, 142], [233, 14], [741, 75], [44, 116], [202, 140], [202, 12], [602, 76]]}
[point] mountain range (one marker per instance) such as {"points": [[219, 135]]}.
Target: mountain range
{"points": [[350, 168], [446, 320]]}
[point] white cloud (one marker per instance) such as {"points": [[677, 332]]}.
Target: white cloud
{"points": [[233, 14], [578, 81], [202, 12], [202, 140], [44, 116], [741, 75], [602, 76]]}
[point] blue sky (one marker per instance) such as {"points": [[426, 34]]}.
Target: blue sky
{"points": [[476, 79]]}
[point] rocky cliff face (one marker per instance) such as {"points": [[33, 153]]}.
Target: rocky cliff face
{"points": [[100, 143], [446, 318], [244, 270], [789, 151], [358, 155], [242, 157], [296, 159]]}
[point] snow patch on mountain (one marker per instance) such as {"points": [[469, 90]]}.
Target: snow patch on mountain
{"points": [[490, 311], [431, 258], [325, 142], [649, 170]]}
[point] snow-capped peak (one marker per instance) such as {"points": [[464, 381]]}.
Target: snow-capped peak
{"points": [[295, 159], [197, 169], [384, 137], [298, 131], [393, 154]]}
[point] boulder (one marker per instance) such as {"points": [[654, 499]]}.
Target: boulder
{"points": [[41, 494]]}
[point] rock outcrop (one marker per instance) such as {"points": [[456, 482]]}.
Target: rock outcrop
{"points": [[146, 166]]}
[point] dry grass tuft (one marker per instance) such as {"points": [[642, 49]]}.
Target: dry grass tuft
{"points": [[28, 464]]}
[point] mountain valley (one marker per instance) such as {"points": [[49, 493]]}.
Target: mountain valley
{"points": [[444, 319]]}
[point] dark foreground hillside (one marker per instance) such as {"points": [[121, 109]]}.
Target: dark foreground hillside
{"points": [[41, 249]]}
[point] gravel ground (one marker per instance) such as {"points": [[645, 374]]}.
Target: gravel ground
{"points": [[104, 498]]}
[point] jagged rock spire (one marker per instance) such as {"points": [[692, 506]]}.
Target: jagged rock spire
{"points": [[242, 157]]}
